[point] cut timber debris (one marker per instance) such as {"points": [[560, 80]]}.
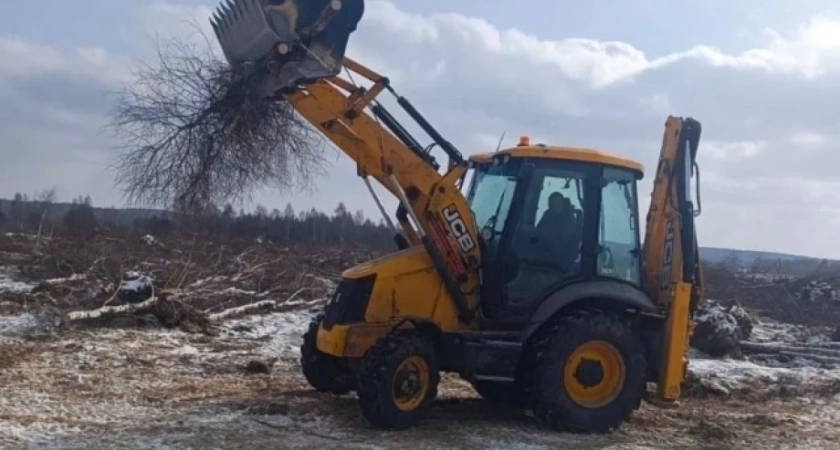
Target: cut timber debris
{"points": [[200, 279], [171, 310], [109, 311]]}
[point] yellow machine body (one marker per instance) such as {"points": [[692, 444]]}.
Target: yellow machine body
{"points": [[533, 283]]}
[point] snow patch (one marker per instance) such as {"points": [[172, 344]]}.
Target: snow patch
{"points": [[135, 287], [187, 350], [7, 284], [772, 331], [283, 332], [816, 290], [16, 326], [135, 282], [728, 375], [28, 324]]}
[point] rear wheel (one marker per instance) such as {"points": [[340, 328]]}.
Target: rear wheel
{"points": [[324, 372], [398, 380], [590, 373]]}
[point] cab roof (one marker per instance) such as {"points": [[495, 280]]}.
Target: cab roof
{"points": [[567, 153]]}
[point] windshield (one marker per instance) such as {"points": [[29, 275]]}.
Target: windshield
{"points": [[490, 196]]}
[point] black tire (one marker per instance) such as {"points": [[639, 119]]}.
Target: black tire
{"points": [[508, 394], [377, 380], [558, 400], [324, 372]]}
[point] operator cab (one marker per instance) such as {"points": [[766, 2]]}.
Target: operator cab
{"points": [[550, 217]]}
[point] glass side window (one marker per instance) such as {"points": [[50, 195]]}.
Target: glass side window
{"points": [[550, 230], [618, 236]]}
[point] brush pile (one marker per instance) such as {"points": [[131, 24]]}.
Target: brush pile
{"points": [[189, 283]]}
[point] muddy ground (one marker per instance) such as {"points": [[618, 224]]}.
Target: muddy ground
{"points": [[136, 388], [141, 383]]}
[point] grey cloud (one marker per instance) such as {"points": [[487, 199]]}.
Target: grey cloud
{"points": [[51, 126], [474, 82]]}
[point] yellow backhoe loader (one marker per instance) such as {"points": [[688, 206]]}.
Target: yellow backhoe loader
{"points": [[530, 280]]}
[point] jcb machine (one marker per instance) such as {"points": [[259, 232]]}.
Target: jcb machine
{"points": [[530, 281]]}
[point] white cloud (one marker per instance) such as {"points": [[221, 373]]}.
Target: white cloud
{"points": [[808, 138], [185, 22], [732, 151], [20, 58], [768, 151]]}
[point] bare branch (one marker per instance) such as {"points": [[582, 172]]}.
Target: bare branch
{"points": [[194, 134]]}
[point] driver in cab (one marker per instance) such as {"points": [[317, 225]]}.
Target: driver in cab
{"points": [[556, 230]]}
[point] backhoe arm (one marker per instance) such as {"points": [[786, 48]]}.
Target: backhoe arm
{"points": [[672, 272]]}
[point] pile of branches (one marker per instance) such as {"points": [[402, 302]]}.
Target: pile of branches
{"points": [[179, 281], [196, 133]]}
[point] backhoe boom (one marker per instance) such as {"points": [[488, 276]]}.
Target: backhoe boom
{"points": [[672, 273]]}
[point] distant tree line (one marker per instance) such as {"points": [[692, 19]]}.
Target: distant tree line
{"points": [[287, 226], [780, 266], [39, 212]]}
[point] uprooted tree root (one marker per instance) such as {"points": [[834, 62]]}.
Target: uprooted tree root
{"points": [[195, 133]]}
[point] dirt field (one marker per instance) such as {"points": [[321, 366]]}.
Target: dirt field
{"points": [[138, 384], [117, 388]]}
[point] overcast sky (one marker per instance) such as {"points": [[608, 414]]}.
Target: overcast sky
{"points": [[763, 80]]}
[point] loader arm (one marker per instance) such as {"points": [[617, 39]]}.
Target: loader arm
{"points": [[671, 261], [294, 50], [384, 150]]}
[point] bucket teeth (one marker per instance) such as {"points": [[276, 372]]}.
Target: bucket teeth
{"points": [[243, 31], [252, 31]]}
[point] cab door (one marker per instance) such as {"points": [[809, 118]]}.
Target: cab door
{"points": [[546, 239]]}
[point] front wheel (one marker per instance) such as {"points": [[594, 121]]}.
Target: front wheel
{"points": [[590, 373], [398, 380], [324, 372]]}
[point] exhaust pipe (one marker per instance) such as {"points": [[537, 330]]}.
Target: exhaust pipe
{"points": [[298, 41]]}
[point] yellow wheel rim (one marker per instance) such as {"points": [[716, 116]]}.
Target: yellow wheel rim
{"points": [[411, 383], [594, 374]]}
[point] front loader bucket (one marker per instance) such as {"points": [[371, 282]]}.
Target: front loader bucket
{"points": [[298, 40]]}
